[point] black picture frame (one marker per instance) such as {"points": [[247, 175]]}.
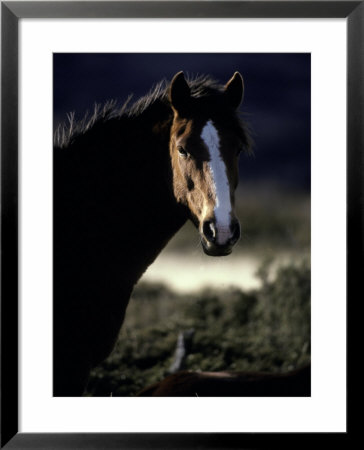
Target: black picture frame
{"points": [[11, 12]]}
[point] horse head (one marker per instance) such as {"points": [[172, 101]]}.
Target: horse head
{"points": [[206, 139]]}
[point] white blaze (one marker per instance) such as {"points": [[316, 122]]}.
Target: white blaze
{"points": [[220, 180]]}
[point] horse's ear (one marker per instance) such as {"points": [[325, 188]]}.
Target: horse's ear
{"points": [[179, 92], [234, 90]]}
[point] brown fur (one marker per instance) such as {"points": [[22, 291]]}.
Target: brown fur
{"points": [[192, 179]]}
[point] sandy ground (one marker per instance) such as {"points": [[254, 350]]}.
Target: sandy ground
{"points": [[191, 272]]}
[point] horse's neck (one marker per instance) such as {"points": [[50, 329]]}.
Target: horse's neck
{"points": [[114, 194], [158, 178], [156, 215]]}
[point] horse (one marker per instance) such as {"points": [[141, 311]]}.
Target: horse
{"points": [[125, 181]]}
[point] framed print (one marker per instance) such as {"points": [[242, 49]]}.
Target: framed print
{"points": [[81, 223]]}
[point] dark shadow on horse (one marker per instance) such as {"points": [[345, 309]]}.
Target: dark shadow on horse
{"points": [[125, 181]]}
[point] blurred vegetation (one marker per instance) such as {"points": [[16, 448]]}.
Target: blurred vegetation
{"points": [[265, 329]]}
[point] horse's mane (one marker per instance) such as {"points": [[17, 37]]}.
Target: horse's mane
{"points": [[201, 86], [157, 98]]}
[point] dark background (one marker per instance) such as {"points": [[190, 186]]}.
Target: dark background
{"points": [[276, 105]]}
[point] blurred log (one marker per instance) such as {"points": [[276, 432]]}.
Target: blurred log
{"points": [[296, 383]]}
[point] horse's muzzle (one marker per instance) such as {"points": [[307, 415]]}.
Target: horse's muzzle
{"points": [[212, 245], [216, 250]]}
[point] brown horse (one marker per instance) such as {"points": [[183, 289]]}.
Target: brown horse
{"points": [[125, 181]]}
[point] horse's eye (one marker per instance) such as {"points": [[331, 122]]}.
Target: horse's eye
{"points": [[182, 151]]}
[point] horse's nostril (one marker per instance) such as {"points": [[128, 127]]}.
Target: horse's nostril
{"points": [[235, 229], [209, 231]]}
